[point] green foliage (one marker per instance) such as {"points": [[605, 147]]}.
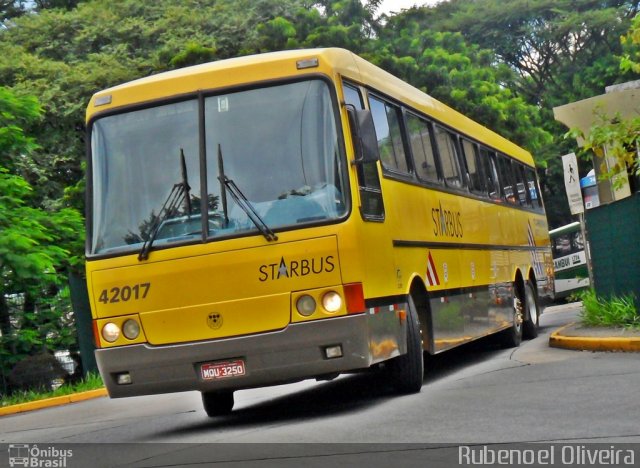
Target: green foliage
{"points": [[35, 246], [31, 269], [193, 54], [630, 61], [15, 113], [620, 136], [616, 311], [463, 76], [562, 50], [27, 253], [92, 381], [37, 371]]}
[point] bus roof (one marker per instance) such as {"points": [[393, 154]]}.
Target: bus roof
{"points": [[333, 62]]}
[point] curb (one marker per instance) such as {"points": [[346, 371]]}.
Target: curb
{"points": [[55, 401], [592, 343]]}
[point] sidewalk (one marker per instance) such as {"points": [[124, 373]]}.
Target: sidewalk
{"points": [[55, 401], [578, 337]]}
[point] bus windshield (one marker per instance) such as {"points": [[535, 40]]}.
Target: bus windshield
{"points": [[278, 145]]}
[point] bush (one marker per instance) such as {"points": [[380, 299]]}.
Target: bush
{"points": [[36, 372], [616, 311]]}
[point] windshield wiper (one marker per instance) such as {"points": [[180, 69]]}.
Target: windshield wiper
{"points": [[230, 186], [179, 193], [223, 187], [185, 183]]}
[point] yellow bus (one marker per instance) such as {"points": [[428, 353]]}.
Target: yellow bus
{"points": [[295, 215]]}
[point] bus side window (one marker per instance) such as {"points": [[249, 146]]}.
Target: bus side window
{"points": [[505, 171], [562, 245], [447, 149], [386, 119], [424, 160], [521, 185], [577, 243], [352, 96], [534, 189], [473, 167], [488, 159], [372, 206]]}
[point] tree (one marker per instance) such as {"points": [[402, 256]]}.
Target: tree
{"points": [[560, 50], [10, 9], [63, 56], [630, 61], [461, 75], [563, 50], [32, 253], [620, 136]]}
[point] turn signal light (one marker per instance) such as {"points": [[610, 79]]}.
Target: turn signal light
{"points": [[354, 298]]}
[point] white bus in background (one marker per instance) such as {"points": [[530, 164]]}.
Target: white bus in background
{"points": [[569, 260]]}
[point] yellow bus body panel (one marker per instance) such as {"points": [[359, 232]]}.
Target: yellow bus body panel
{"points": [[249, 289]]}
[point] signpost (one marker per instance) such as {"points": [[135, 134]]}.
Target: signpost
{"points": [[576, 205], [572, 183]]}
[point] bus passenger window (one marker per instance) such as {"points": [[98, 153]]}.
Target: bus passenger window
{"points": [[505, 171], [420, 142], [474, 170], [521, 185], [448, 157], [387, 123], [488, 161], [534, 189], [562, 246]]}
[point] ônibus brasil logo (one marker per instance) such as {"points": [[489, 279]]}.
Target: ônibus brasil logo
{"points": [[34, 456]]}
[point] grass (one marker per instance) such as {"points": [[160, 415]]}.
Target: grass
{"points": [[616, 311], [91, 382]]}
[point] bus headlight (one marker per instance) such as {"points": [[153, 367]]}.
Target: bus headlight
{"points": [[331, 301], [306, 305], [131, 329], [110, 332]]}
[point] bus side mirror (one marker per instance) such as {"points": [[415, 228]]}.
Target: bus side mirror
{"points": [[363, 135]]}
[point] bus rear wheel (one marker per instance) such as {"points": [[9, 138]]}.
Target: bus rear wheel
{"points": [[532, 314], [407, 371], [512, 336], [217, 403]]}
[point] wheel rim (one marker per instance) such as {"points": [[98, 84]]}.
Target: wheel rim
{"points": [[531, 306], [518, 316]]}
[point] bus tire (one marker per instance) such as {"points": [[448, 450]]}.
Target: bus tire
{"points": [[217, 403], [512, 336], [407, 371], [532, 313]]}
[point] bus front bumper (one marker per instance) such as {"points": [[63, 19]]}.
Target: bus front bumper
{"points": [[294, 353]]}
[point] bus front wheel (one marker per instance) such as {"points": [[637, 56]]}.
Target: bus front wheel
{"points": [[217, 403], [407, 371]]}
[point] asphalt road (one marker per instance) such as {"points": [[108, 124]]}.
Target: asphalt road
{"points": [[478, 394]]}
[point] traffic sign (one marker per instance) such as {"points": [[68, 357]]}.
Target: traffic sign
{"points": [[572, 183]]}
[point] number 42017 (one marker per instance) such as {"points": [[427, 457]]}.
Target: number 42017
{"points": [[124, 293]]}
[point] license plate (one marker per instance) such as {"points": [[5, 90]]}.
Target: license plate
{"points": [[222, 370]]}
